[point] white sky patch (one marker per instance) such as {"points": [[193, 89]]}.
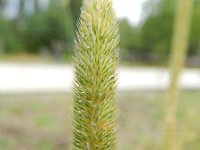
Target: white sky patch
{"points": [[12, 6], [29, 6], [131, 9], [43, 3]]}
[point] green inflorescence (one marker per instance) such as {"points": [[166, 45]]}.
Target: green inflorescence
{"points": [[95, 64]]}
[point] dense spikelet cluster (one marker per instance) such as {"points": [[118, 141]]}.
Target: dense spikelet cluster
{"points": [[95, 64]]}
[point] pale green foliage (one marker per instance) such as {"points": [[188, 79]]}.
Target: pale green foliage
{"points": [[95, 63]]}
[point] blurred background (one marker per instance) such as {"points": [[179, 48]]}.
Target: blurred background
{"points": [[36, 49]]}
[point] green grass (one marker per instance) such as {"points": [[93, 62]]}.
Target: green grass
{"points": [[33, 58], [42, 122]]}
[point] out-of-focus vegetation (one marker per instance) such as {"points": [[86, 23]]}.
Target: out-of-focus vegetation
{"points": [[156, 31], [43, 121], [45, 30], [49, 30]]}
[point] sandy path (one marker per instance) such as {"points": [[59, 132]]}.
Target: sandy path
{"points": [[25, 78]]}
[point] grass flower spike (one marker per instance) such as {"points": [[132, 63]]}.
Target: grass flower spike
{"points": [[95, 64]]}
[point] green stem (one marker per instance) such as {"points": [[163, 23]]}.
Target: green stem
{"points": [[178, 56]]}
